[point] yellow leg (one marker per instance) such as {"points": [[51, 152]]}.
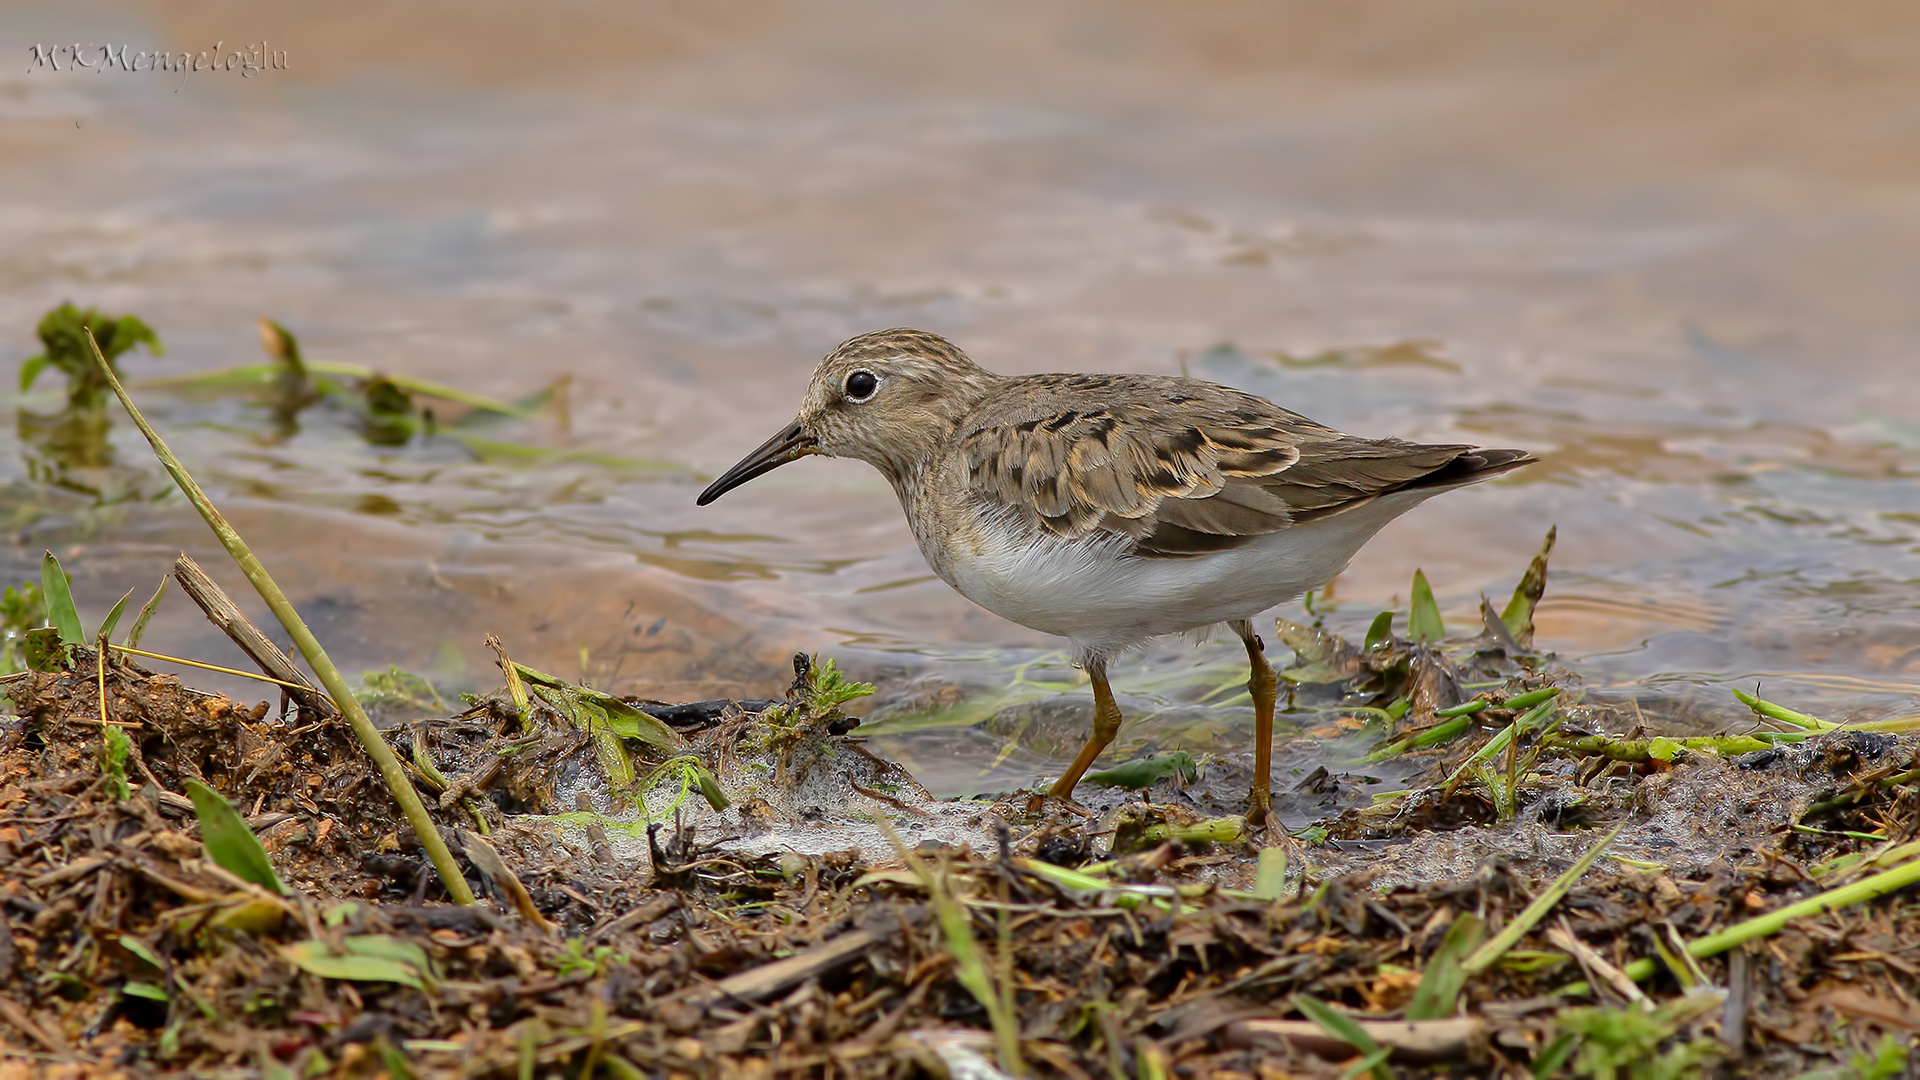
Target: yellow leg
{"points": [[1264, 685], [1106, 724]]}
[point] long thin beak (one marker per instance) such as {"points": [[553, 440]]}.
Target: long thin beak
{"points": [[791, 444]]}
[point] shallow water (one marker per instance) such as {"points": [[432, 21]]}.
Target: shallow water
{"points": [[1670, 252]]}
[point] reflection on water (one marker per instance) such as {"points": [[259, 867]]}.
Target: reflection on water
{"points": [[1677, 267]]}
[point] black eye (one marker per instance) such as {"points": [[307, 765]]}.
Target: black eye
{"points": [[861, 385]]}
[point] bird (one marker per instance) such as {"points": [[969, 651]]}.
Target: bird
{"points": [[1111, 509]]}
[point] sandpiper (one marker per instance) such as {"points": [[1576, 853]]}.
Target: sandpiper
{"points": [[1109, 509]]}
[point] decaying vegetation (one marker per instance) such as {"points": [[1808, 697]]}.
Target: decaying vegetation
{"points": [[193, 886]]}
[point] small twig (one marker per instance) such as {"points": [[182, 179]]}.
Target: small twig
{"points": [[883, 797], [11, 1011], [224, 614], [1595, 965], [763, 982], [640, 916], [1407, 1041], [77, 868]]}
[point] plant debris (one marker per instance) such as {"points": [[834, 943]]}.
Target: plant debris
{"points": [[1438, 940]]}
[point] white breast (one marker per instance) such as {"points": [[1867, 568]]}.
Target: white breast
{"points": [[1106, 601]]}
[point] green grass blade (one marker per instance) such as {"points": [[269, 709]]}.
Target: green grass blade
{"points": [[1531, 698], [391, 771], [61, 614], [146, 615], [1486, 955], [1270, 878], [1762, 925], [970, 969], [113, 617], [1423, 621], [1342, 1027], [228, 841], [1438, 995], [1526, 722], [1554, 1058]]}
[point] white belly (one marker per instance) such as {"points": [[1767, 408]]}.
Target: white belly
{"points": [[1106, 601]]}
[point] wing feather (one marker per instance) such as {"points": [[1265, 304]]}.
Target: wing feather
{"points": [[1179, 467]]}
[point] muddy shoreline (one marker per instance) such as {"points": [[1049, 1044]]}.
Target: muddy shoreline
{"points": [[833, 919]]}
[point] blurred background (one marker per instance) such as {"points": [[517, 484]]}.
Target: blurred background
{"points": [[1672, 249]]}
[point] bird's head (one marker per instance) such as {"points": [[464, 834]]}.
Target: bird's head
{"points": [[887, 398]]}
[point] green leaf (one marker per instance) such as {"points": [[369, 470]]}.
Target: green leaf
{"points": [[829, 688], [61, 614], [360, 962], [384, 947], [339, 913], [144, 990], [31, 370], [1380, 632], [1423, 622], [43, 650], [621, 718], [393, 1059], [1517, 616], [113, 617], [709, 786], [228, 841], [114, 748], [1438, 995], [283, 347], [146, 615], [1342, 1027]]}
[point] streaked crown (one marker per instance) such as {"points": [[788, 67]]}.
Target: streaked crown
{"points": [[890, 396]]}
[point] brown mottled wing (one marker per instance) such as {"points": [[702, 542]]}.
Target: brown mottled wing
{"points": [[1181, 473]]}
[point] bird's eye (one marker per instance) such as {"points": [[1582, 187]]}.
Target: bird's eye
{"points": [[861, 385]]}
